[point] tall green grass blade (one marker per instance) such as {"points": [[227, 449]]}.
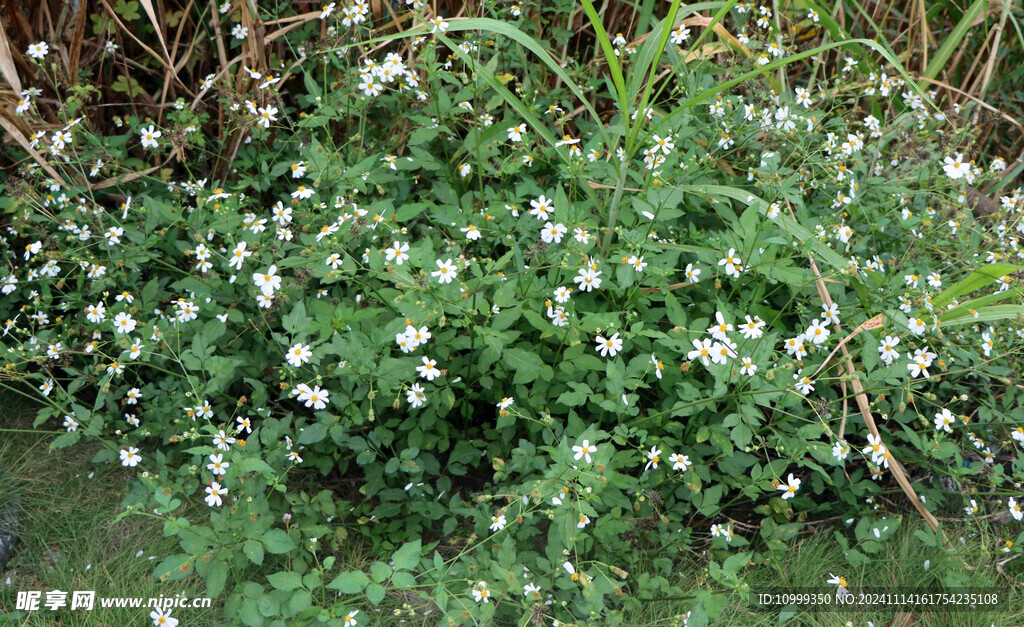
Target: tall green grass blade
{"points": [[726, 85], [646, 16], [992, 313], [535, 123], [649, 61], [645, 58], [518, 105], [528, 42], [955, 38], [977, 303], [1013, 20], [1010, 177], [531, 44], [610, 59], [974, 281], [833, 28], [723, 10]]}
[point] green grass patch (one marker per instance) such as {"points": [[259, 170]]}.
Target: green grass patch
{"points": [[68, 539], [973, 560]]}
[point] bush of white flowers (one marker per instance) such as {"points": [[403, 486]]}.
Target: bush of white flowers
{"points": [[515, 345]]}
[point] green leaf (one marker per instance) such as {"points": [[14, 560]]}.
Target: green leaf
{"points": [[299, 601], [748, 224], [579, 395], [408, 556], [127, 10], [65, 440], [975, 280], [149, 293], [312, 579], [735, 563], [380, 571], [278, 542], [929, 539], [954, 39], [856, 558], [742, 435], [403, 580], [351, 582], [710, 499], [171, 567], [464, 453], [201, 348], [787, 223], [525, 365], [254, 551], [449, 526], [698, 616], [309, 80], [124, 84], [252, 464], [422, 135], [297, 322], [216, 577], [992, 313], [249, 613], [974, 304], [870, 353], [375, 593], [313, 433], [615, 373], [285, 580]]}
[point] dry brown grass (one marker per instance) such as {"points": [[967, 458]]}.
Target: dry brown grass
{"points": [[174, 44]]}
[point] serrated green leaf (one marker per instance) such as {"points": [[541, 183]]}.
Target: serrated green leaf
{"points": [[216, 577], [403, 580], [277, 541], [380, 571], [351, 582], [252, 464], [313, 433], [285, 580], [172, 567], [375, 593], [525, 365], [254, 551], [408, 556]]}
